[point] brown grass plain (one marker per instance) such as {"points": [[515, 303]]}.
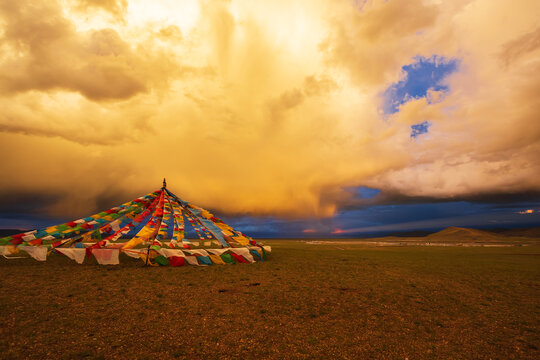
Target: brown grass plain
{"points": [[305, 302]]}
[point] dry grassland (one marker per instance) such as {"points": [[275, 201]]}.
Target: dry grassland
{"points": [[306, 301]]}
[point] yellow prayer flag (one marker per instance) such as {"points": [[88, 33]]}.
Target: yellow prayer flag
{"points": [[216, 259]]}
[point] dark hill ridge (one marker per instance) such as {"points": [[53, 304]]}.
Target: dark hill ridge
{"points": [[454, 233], [526, 232], [459, 236]]}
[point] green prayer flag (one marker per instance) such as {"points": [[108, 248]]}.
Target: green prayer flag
{"points": [[161, 260], [227, 258]]}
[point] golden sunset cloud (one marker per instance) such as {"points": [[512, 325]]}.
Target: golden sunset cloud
{"points": [[264, 107]]}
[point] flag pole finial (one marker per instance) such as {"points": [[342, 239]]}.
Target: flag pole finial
{"points": [[164, 183]]}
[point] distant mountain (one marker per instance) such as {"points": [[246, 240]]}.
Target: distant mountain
{"points": [[459, 234], [530, 232]]}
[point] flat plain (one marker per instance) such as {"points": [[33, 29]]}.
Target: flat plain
{"points": [[322, 300]]}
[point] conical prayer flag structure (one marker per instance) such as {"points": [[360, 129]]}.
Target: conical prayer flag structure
{"points": [[153, 227]]}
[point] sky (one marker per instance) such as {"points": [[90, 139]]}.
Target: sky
{"points": [[287, 118]]}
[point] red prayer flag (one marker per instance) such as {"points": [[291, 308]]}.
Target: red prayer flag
{"points": [[36, 242], [239, 258], [177, 261], [15, 241]]}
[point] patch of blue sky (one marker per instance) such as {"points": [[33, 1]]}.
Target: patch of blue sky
{"points": [[366, 192], [419, 129], [422, 75]]}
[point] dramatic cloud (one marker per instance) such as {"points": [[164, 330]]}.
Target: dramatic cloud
{"points": [[273, 108], [116, 8]]}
